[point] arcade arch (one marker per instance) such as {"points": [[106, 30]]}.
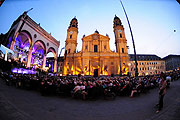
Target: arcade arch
{"points": [[20, 45], [52, 52], [37, 53], [30, 42]]}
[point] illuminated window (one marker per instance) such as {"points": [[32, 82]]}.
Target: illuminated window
{"points": [[95, 48], [122, 50], [120, 35], [70, 36]]}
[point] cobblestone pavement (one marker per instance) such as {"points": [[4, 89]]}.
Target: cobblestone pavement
{"points": [[19, 104]]}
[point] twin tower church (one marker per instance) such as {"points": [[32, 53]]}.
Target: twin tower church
{"points": [[96, 58]]}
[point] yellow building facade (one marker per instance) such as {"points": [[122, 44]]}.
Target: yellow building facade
{"points": [[147, 64], [96, 58]]}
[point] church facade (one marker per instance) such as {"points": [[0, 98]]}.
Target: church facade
{"points": [[96, 58]]}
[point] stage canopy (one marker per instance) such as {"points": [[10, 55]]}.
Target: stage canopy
{"points": [[4, 49]]}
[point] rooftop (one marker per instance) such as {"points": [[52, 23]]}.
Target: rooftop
{"points": [[144, 57]]}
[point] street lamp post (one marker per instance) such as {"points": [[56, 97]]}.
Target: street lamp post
{"points": [[135, 59], [61, 51]]}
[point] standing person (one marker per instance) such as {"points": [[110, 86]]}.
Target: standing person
{"points": [[162, 92]]}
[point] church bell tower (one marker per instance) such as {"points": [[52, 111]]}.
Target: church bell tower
{"points": [[121, 44], [71, 40]]}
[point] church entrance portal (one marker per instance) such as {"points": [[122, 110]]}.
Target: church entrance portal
{"points": [[96, 73]]}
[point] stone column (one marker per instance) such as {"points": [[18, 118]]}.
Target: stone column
{"points": [[13, 42], [12, 45], [55, 64], [29, 57], [44, 62]]}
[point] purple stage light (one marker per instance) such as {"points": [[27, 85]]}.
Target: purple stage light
{"points": [[23, 71]]}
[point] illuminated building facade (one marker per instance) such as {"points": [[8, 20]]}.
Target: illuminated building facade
{"points": [[172, 62], [96, 58], [147, 64], [30, 43], [60, 65]]}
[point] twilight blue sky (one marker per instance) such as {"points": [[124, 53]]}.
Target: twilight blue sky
{"points": [[153, 21]]}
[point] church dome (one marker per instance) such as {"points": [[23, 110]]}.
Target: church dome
{"points": [[117, 21], [97, 31], [74, 19], [116, 18], [74, 23]]}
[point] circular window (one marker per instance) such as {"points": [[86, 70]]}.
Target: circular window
{"points": [[35, 35]]}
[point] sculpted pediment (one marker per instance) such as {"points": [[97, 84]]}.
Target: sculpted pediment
{"points": [[96, 36]]}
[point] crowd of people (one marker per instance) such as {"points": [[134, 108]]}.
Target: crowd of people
{"points": [[87, 87]]}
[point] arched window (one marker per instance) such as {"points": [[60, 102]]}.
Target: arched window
{"points": [[122, 50], [69, 50], [120, 35], [95, 48], [70, 36]]}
